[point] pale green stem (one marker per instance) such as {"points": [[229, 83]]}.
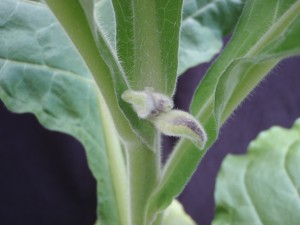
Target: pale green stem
{"points": [[116, 163], [143, 175]]}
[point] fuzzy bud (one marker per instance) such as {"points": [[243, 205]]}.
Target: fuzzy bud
{"points": [[148, 104], [181, 124]]}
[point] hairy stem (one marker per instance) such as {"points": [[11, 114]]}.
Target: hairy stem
{"points": [[116, 163], [144, 169]]}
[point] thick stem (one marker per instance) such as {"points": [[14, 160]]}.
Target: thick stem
{"points": [[144, 170]]}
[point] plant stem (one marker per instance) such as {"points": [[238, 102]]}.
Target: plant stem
{"points": [[143, 173], [116, 163]]}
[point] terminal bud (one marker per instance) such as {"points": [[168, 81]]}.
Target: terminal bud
{"points": [[148, 104]]}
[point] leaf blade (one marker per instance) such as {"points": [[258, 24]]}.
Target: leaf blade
{"points": [[264, 190], [147, 42]]}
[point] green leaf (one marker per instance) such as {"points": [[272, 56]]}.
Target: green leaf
{"points": [[41, 72], [267, 32], [263, 186], [175, 214], [204, 24], [147, 42]]}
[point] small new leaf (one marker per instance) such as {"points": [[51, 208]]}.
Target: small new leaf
{"points": [[157, 108], [181, 124]]}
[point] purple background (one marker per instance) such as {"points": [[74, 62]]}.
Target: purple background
{"points": [[44, 178]]}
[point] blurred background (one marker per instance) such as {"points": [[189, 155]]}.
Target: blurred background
{"points": [[45, 180]]}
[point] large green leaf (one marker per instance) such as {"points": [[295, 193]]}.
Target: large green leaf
{"points": [[204, 24], [268, 31], [262, 187], [147, 42], [41, 72]]}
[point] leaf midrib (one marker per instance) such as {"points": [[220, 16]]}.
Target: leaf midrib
{"points": [[248, 195]]}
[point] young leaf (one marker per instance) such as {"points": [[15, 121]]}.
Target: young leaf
{"points": [[42, 73], [262, 187], [203, 26], [147, 42], [268, 31]]}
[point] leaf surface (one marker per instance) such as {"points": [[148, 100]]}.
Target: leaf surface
{"points": [[147, 38], [262, 187], [267, 32], [204, 24], [41, 72]]}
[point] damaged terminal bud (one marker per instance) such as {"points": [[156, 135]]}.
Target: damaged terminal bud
{"points": [[157, 108], [147, 104], [181, 124]]}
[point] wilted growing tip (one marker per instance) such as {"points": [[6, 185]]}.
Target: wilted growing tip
{"points": [[181, 124], [157, 108], [147, 103]]}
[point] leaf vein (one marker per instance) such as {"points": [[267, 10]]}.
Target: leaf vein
{"points": [[276, 10], [286, 170], [54, 69], [249, 197]]}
